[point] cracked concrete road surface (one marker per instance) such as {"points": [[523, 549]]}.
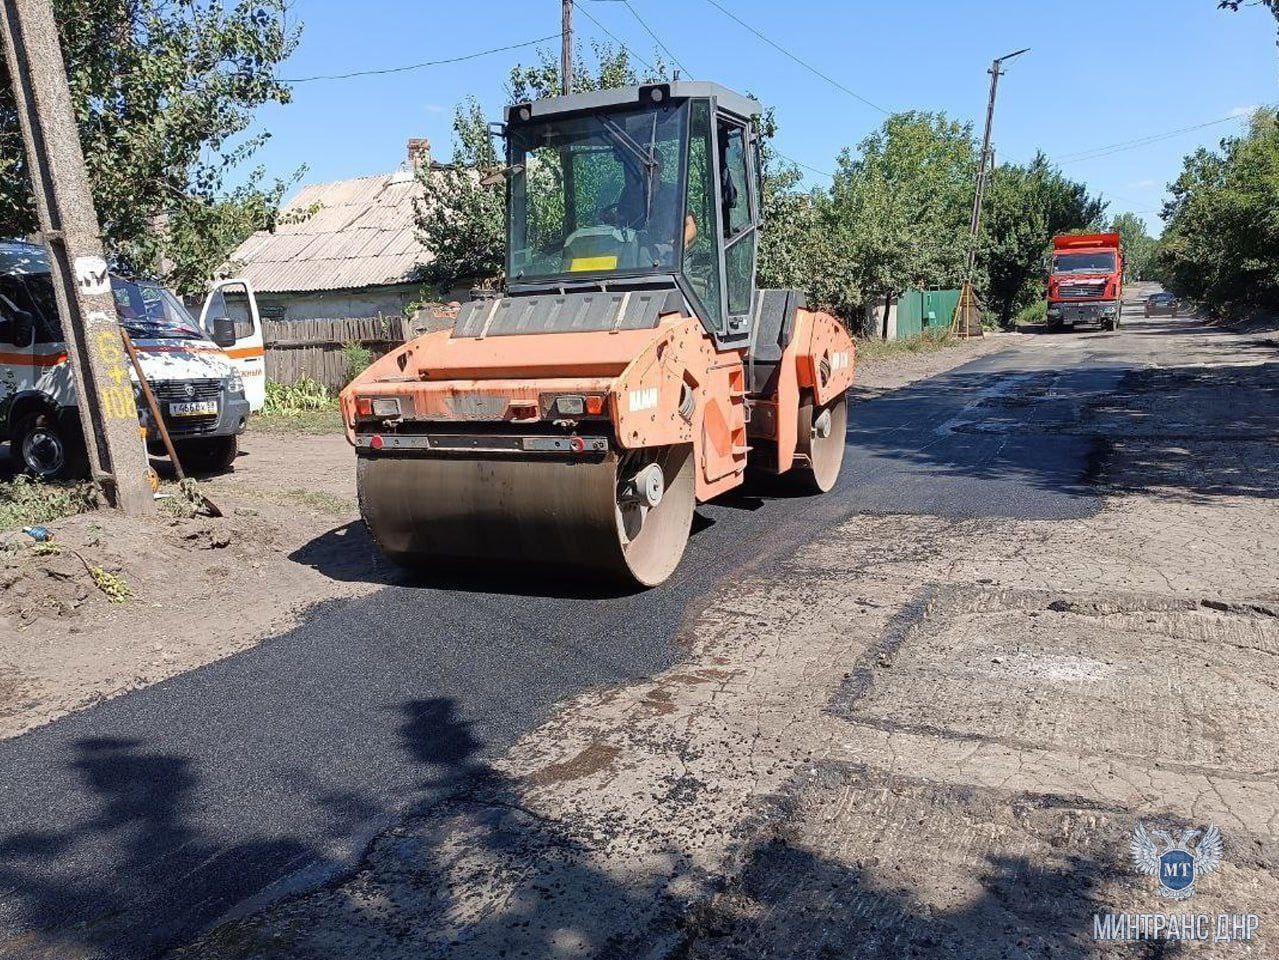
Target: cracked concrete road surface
{"points": [[919, 717]]}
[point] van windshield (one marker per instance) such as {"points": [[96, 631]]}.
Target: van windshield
{"points": [[150, 312], [1100, 262]]}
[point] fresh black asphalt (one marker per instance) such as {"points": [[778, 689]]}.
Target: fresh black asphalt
{"points": [[128, 828]]}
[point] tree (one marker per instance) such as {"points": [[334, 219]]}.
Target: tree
{"points": [[1139, 246], [1025, 207], [460, 217], [164, 92], [897, 212], [1221, 242], [790, 234]]}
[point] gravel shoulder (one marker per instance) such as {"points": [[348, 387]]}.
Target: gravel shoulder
{"points": [[919, 736]]}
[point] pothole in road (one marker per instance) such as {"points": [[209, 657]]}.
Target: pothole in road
{"points": [[1148, 678]]}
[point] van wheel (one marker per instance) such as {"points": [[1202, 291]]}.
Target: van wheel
{"points": [[50, 450], [214, 455]]}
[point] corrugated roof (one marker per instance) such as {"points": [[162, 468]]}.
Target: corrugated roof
{"points": [[360, 235]]}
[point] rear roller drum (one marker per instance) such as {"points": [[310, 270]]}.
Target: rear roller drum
{"points": [[622, 517], [821, 438]]}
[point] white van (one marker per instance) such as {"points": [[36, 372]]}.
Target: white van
{"points": [[201, 386]]}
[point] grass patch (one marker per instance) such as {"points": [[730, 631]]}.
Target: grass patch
{"points": [[302, 407], [1035, 314], [930, 341], [25, 502], [319, 501]]}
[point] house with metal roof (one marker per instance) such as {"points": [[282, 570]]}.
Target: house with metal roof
{"points": [[341, 249]]}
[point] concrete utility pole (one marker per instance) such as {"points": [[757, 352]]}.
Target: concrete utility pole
{"points": [[996, 71], [566, 47], [81, 283]]}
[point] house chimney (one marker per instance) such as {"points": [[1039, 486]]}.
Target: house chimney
{"points": [[419, 153]]}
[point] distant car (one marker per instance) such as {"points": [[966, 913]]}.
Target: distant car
{"points": [[1162, 305]]}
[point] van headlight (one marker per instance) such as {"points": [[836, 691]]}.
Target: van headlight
{"points": [[235, 382]]}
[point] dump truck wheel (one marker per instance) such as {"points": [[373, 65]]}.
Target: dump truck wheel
{"points": [[626, 516], [821, 438]]}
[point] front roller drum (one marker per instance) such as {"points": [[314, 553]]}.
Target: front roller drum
{"points": [[622, 517], [821, 439]]}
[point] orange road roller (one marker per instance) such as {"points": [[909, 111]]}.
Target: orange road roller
{"points": [[630, 370]]}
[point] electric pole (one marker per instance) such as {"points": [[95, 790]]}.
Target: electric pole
{"points": [[996, 71], [566, 47], [69, 228], [967, 319]]}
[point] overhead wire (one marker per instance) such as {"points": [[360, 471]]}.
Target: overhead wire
{"points": [[1096, 153], [657, 39], [381, 71], [800, 60]]}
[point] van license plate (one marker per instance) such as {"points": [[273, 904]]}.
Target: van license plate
{"points": [[196, 408]]}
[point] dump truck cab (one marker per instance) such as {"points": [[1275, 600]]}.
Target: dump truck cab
{"points": [[630, 369], [1087, 280]]}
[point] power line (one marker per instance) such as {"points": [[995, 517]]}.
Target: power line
{"points": [[803, 63], [656, 38], [798, 163], [1096, 153], [801, 163], [614, 37], [427, 63]]}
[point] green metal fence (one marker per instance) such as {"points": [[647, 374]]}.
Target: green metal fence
{"points": [[919, 310]]}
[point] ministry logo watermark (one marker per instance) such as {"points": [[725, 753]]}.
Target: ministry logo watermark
{"points": [[1176, 863]]}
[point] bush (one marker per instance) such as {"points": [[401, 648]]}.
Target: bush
{"points": [[1036, 313], [357, 357], [24, 501], [290, 399]]}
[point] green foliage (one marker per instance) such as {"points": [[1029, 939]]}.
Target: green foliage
{"points": [[114, 586], [790, 232], [1139, 247], [287, 399], [1025, 208], [357, 358], [1036, 313], [930, 340], [164, 91], [24, 501], [1221, 242], [461, 216], [897, 213]]}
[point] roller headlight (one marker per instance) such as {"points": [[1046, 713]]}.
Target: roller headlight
{"points": [[235, 382]]}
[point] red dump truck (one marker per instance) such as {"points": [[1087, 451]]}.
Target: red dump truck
{"points": [[1087, 281]]}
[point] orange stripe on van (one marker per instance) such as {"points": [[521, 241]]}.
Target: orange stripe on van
{"points": [[241, 353], [34, 359]]}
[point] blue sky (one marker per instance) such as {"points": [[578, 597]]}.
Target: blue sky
{"points": [[1100, 72]]}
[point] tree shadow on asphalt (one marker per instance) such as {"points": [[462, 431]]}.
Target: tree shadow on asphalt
{"points": [[470, 872], [480, 875], [141, 797], [790, 901]]}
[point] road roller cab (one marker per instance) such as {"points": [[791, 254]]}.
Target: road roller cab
{"points": [[630, 370]]}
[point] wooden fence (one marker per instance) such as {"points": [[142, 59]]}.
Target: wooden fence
{"points": [[313, 348]]}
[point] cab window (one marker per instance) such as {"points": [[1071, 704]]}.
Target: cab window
{"points": [[739, 223], [701, 251]]}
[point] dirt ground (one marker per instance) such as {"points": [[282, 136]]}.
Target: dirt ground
{"points": [[919, 737], [198, 589], [202, 589]]}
